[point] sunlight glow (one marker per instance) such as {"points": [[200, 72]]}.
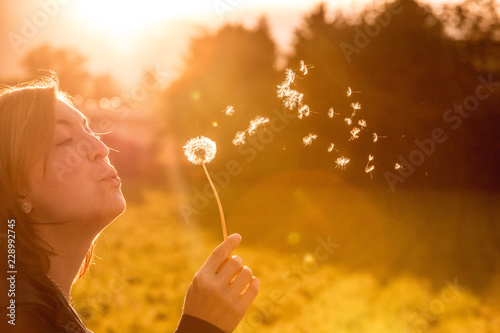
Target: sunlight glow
{"points": [[125, 16]]}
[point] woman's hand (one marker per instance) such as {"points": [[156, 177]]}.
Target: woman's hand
{"points": [[223, 289]]}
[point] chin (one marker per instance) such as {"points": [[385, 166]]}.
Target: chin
{"points": [[113, 209], [119, 206]]}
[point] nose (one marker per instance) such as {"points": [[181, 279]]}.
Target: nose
{"points": [[99, 150]]}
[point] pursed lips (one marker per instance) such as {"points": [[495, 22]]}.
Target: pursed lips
{"points": [[112, 175]]}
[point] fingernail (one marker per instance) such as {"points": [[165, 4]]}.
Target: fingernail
{"points": [[237, 236]]}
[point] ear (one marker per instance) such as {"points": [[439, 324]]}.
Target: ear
{"points": [[25, 204], [23, 199]]}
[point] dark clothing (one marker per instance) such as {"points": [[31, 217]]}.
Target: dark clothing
{"points": [[41, 308]]}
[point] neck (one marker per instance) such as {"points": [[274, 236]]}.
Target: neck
{"points": [[63, 271], [65, 264]]}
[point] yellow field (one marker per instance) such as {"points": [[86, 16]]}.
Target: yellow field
{"points": [[148, 256]]}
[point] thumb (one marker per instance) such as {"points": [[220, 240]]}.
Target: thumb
{"points": [[222, 252]]}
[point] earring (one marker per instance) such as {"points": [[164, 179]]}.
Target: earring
{"points": [[27, 207]]}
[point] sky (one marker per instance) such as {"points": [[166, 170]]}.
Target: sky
{"points": [[125, 37]]}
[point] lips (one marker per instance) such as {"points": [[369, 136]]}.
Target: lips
{"points": [[112, 177]]}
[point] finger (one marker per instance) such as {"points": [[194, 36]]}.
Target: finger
{"points": [[242, 280], [230, 269], [251, 292], [222, 253]]}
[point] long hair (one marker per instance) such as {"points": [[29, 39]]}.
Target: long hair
{"points": [[27, 122]]}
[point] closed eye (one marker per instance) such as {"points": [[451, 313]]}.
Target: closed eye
{"points": [[64, 142]]}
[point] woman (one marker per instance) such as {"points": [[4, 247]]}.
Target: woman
{"points": [[58, 191]]}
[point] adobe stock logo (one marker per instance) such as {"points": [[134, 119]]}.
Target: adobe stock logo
{"points": [[422, 319], [291, 281], [427, 147], [31, 26], [223, 6]]}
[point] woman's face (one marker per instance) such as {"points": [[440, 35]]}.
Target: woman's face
{"points": [[79, 185]]}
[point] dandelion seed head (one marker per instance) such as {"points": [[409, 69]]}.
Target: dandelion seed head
{"points": [[255, 123], [290, 76], [332, 113], [354, 133], [308, 139], [283, 90], [348, 121], [304, 111], [229, 111], [349, 91], [397, 166], [304, 68], [356, 106], [369, 168], [342, 162], [331, 148], [200, 150], [293, 98], [375, 137], [362, 123], [239, 138], [370, 158]]}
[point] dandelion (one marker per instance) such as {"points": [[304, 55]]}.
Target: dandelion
{"points": [[376, 137], [354, 133], [398, 166], [229, 111], [202, 150], [342, 162], [239, 138], [362, 123], [308, 139], [255, 123], [348, 121], [332, 113], [304, 111], [332, 148]]}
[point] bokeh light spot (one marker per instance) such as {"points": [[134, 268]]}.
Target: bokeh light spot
{"points": [[293, 238]]}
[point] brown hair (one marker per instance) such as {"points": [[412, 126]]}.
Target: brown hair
{"points": [[27, 121]]}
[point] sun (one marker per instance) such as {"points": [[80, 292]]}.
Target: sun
{"points": [[125, 16]]}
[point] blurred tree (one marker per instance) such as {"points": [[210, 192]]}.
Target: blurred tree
{"points": [[233, 67], [475, 27], [409, 71], [70, 67], [104, 85], [68, 64]]}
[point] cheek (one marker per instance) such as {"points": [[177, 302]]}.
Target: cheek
{"points": [[60, 184]]}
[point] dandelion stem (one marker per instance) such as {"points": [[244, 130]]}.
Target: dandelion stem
{"points": [[224, 232]]}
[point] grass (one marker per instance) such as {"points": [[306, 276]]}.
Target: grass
{"points": [[148, 257]]}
